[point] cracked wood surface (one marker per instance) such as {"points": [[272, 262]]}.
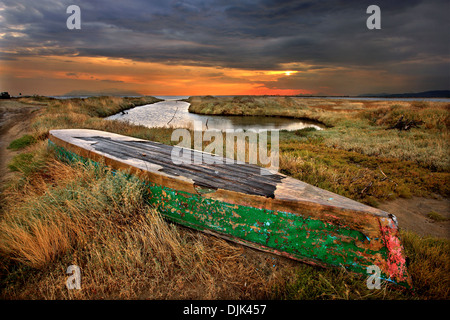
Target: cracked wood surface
{"points": [[236, 201]]}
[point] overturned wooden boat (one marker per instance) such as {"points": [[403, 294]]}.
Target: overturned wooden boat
{"points": [[274, 213]]}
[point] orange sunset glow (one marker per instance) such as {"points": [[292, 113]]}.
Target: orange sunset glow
{"points": [[52, 75], [221, 48]]}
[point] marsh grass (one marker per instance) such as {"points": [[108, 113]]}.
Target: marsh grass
{"points": [[22, 142], [56, 214], [429, 265], [357, 155], [30, 160], [94, 218], [362, 177]]}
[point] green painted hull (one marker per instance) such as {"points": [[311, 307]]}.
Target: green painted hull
{"points": [[288, 234], [279, 232]]}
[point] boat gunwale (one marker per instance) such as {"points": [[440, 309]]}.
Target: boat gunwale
{"points": [[375, 226], [307, 208]]}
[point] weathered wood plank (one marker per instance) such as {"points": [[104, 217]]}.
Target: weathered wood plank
{"points": [[273, 213], [203, 175]]}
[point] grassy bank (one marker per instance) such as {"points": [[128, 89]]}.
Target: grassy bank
{"points": [[54, 215], [357, 156]]}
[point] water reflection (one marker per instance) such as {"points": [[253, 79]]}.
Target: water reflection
{"points": [[175, 114]]}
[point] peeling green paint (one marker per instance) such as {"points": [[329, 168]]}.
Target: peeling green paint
{"points": [[301, 237], [291, 234]]}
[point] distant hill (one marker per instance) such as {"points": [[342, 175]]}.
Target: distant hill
{"points": [[425, 94]]}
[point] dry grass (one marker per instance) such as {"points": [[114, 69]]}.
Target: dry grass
{"points": [[366, 178], [429, 265], [355, 125], [88, 216], [357, 156], [56, 215]]}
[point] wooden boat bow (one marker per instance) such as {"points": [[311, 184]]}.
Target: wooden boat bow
{"points": [[233, 200]]}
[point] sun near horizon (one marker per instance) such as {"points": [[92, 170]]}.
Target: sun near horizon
{"points": [[222, 48], [59, 75]]}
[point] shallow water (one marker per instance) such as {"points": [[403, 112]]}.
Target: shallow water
{"points": [[173, 113]]}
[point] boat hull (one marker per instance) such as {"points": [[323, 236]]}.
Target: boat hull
{"points": [[355, 238]]}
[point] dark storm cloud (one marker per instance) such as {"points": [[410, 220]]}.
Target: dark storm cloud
{"points": [[245, 34]]}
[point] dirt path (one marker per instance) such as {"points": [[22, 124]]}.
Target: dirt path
{"points": [[15, 119], [412, 215]]}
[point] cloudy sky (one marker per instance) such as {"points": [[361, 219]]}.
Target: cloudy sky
{"points": [[224, 47]]}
